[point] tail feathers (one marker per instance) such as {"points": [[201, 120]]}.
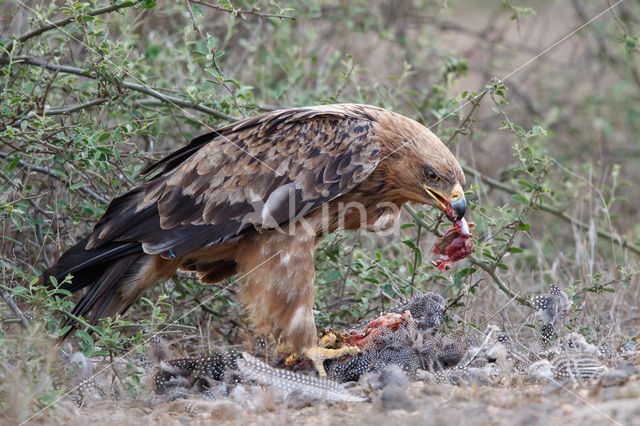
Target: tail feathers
{"points": [[101, 271], [86, 265], [97, 301]]}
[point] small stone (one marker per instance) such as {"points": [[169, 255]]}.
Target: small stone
{"points": [[614, 378], [567, 408], [493, 410], [225, 410], [432, 389], [627, 366], [297, 401], [629, 391]]}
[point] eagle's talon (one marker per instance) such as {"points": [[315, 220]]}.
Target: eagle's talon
{"points": [[292, 360], [318, 355]]}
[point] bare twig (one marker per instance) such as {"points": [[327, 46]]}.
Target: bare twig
{"points": [[193, 19], [12, 305], [214, 63], [74, 108], [346, 79], [462, 294], [59, 111], [132, 86], [415, 259], [464, 125], [49, 172], [239, 12], [66, 21], [492, 273], [179, 102]]}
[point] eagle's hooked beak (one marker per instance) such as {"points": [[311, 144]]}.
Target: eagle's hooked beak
{"points": [[453, 206]]}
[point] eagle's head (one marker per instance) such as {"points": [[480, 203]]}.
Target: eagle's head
{"points": [[421, 169]]}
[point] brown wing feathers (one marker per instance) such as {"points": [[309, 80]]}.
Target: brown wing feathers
{"points": [[208, 199], [221, 186]]}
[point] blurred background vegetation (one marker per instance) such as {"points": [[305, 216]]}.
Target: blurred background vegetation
{"points": [[548, 137]]}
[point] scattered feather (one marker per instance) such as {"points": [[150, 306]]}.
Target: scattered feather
{"points": [[289, 381]]}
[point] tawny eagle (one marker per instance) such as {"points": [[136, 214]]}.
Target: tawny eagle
{"points": [[252, 200]]}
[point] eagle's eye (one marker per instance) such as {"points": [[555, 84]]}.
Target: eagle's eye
{"points": [[431, 175]]}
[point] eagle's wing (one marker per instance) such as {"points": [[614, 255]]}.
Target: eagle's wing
{"points": [[259, 172]]}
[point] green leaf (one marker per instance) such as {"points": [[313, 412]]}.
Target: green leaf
{"points": [[526, 184], [410, 244], [211, 43], [62, 292], [77, 186], [387, 290], [61, 331], [17, 291], [148, 4], [13, 163], [333, 275], [519, 198]]}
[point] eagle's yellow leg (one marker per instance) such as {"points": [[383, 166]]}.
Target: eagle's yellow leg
{"points": [[319, 355], [324, 351]]}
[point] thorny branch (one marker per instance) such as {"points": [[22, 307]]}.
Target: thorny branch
{"points": [[12, 305], [129, 85], [49, 172], [63, 22], [240, 12], [61, 111], [214, 62], [465, 122]]}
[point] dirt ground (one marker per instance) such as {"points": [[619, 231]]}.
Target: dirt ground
{"points": [[434, 404], [419, 404]]}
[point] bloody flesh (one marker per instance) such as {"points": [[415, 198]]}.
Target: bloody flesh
{"points": [[454, 245], [362, 337]]}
